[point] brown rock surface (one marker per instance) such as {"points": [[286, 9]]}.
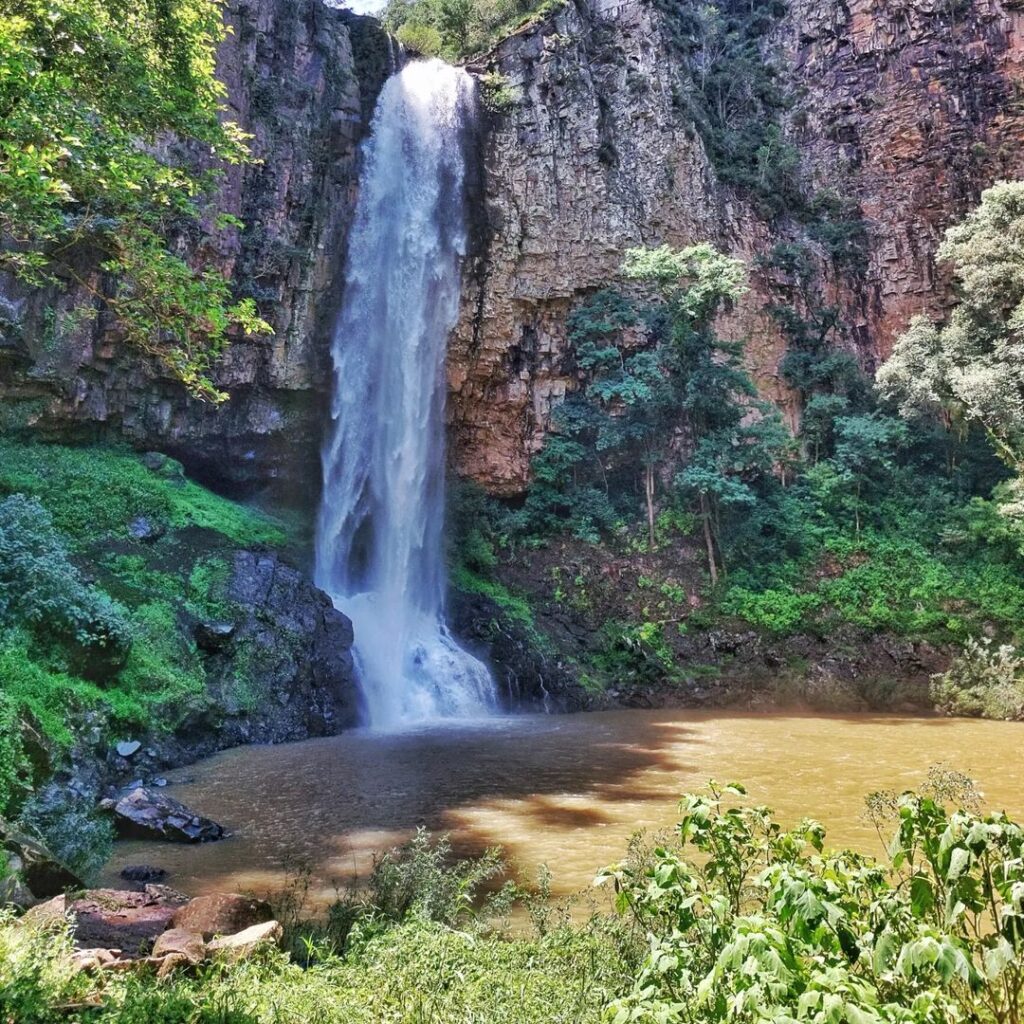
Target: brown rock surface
{"points": [[909, 109], [243, 944], [221, 914], [112, 919]]}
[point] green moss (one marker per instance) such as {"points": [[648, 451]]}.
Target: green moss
{"points": [[511, 605], [93, 492]]}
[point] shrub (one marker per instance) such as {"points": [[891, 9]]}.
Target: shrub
{"points": [[41, 589], [749, 923], [984, 680], [76, 835]]}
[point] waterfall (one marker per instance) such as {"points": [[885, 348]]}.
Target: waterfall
{"points": [[380, 532]]}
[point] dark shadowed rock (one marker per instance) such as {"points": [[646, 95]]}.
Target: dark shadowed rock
{"points": [[39, 869], [143, 873], [145, 529], [145, 814], [222, 914], [213, 636]]}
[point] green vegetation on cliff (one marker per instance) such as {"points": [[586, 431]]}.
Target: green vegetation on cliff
{"points": [[94, 618], [890, 511], [90, 191]]}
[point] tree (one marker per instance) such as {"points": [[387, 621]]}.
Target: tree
{"points": [[90, 93], [971, 368], [730, 433]]}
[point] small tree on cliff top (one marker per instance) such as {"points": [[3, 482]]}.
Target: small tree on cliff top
{"points": [[90, 90]]}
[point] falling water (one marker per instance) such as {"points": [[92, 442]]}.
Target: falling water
{"points": [[379, 540]]}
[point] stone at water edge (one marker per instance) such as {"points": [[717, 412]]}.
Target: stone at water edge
{"points": [[144, 814], [245, 943], [43, 874], [180, 942], [144, 873], [222, 914], [113, 919]]}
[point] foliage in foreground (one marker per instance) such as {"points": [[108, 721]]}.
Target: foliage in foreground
{"points": [[736, 920], [759, 924]]}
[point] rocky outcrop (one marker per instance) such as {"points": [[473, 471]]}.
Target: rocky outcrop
{"points": [[114, 929], [145, 814], [301, 78], [906, 111]]}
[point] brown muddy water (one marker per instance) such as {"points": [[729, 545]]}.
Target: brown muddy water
{"points": [[565, 791]]}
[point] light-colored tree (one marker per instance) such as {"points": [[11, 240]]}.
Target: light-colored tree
{"points": [[971, 368]]}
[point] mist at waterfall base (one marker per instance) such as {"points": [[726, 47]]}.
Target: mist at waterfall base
{"points": [[380, 543]]}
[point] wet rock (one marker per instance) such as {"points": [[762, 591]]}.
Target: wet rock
{"points": [[143, 873], [222, 914], [14, 893], [246, 943], [145, 814], [42, 872], [214, 636]]}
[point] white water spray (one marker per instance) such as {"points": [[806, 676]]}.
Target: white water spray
{"points": [[379, 537]]}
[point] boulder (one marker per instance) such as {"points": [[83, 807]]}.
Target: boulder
{"points": [[144, 873], [93, 960], [145, 529], [243, 944], [222, 914], [43, 874], [145, 814], [213, 636], [179, 943], [14, 893], [112, 918]]}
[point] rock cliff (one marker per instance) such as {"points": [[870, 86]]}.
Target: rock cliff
{"points": [[904, 110], [302, 78]]}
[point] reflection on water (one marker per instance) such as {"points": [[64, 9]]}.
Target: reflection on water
{"points": [[564, 791]]}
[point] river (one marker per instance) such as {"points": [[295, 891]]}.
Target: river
{"points": [[565, 791]]}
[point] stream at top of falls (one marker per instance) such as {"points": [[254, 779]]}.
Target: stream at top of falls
{"points": [[379, 544], [565, 791]]}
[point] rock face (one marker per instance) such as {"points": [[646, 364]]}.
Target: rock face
{"points": [[222, 914], [907, 110], [302, 78], [128, 922]]}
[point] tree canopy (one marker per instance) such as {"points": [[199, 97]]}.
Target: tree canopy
{"points": [[971, 368], [108, 109]]}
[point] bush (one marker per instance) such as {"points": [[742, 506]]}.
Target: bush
{"points": [[984, 680], [91, 493], [74, 833], [749, 923], [42, 590]]}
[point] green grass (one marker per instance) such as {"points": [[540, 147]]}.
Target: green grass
{"points": [[92, 495], [513, 606], [416, 973], [887, 583]]}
